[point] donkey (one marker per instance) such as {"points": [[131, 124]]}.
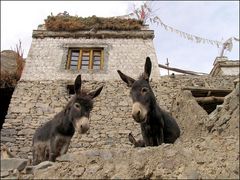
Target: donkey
{"points": [[157, 126], [53, 138]]}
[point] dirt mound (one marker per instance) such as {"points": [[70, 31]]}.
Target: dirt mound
{"points": [[225, 119], [190, 115], [203, 157], [195, 121]]}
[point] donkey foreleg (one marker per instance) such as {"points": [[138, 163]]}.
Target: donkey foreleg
{"points": [[52, 156], [136, 143], [160, 138], [53, 150], [64, 149], [38, 152]]}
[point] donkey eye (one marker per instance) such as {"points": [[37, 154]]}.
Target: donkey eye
{"points": [[144, 90], [77, 105]]}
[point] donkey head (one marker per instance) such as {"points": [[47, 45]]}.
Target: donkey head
{"points": [[141, 93], [80, 106]]}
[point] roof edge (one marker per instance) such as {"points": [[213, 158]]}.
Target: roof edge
{"points": [[101, 34]]}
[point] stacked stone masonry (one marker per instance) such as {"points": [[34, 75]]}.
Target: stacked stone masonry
{"points": [[47, 58], [35, 102]]}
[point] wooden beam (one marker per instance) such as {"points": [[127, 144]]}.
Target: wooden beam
{"points": [[181, 70], [207, 92], [202, 89], [210, 99], [69, 58]]}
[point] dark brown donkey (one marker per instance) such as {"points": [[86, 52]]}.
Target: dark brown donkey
{"points": [[53, 138], [157, 126]]}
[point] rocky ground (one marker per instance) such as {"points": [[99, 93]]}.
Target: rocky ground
{"points": [[207, 149], [210, 157]]}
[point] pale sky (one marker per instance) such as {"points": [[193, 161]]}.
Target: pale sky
{"points": [[214, 20]]}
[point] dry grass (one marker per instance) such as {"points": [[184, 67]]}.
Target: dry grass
{"points": [[19, 60], [75, 23], [10, 79]]}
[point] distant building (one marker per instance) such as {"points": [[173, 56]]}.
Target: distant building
{"points": [[223, 66]]}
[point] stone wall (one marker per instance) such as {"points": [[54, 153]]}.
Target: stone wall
{"points": [[35, 102], [47, 58]]}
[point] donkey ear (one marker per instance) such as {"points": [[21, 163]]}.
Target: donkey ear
{"points": [[77, 84], [95, 93], [126, 78], [147, 69]]}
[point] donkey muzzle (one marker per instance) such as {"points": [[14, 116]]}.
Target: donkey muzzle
{"points": [[82, 125], [139, 112]]}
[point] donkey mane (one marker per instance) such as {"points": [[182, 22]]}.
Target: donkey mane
{"points": [[142, 76]]}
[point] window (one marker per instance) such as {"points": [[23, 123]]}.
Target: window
{"points": [[85, 58]]}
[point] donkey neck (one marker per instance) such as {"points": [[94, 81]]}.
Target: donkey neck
{"points": [[65, 126], [153, 115]]}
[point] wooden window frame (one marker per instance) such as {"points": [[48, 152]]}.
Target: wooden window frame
{"points": [[91, 58]]}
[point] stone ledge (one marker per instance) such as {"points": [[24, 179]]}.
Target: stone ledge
{"points": [[144, 34]]}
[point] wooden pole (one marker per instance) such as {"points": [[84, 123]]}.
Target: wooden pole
{"points": [[167, 66], [210, 99], [180, 70], [223, 48], [203, 89]]}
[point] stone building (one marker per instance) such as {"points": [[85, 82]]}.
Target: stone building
{"points": [[56, 58], [223, 66], [55, 55]]}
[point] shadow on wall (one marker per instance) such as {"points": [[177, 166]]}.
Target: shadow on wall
{"points": [[5, 98], [12, 64]]}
